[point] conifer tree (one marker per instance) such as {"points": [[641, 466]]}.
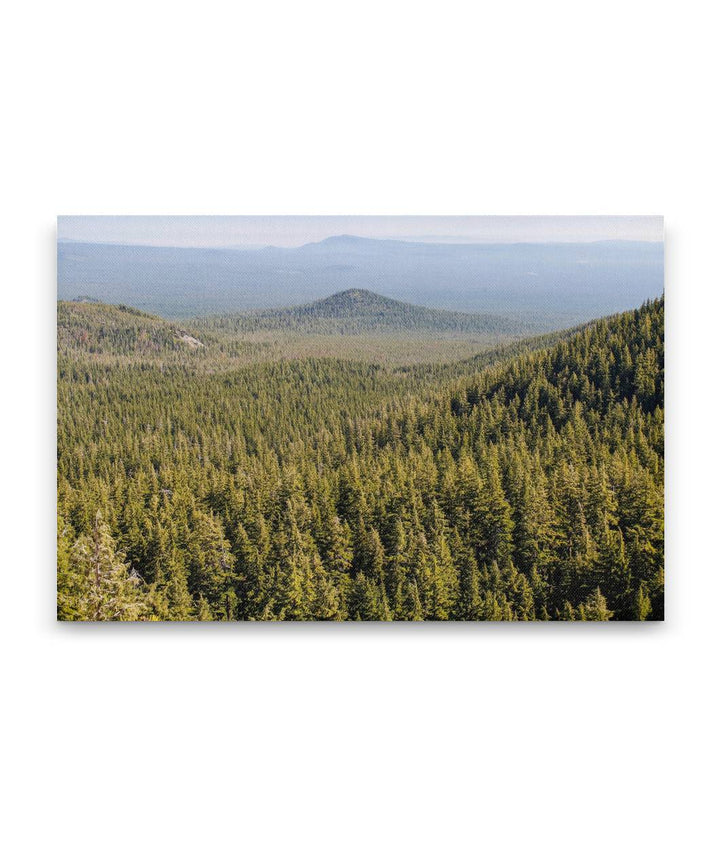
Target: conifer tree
{"points": [[326, 603], [103, 586], [497, 524], [441, 586], [68, 583], [211, 563], [468, 605], [567, 613], [409, 607], [643, 605], [595, 608], [179, 601]]}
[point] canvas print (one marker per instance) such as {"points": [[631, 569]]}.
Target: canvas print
{"points": [[360, 418]]}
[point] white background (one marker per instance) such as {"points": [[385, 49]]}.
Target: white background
{"points": [[359, 739]]}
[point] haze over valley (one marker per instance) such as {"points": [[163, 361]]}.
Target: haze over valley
{"points": [[546, 285]]}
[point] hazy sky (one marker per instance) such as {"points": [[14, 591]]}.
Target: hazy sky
{"points": [[249, 231]]}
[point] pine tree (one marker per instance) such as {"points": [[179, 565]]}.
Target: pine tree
{"points": [[203, 612], [441, 588], [643, 605], [468, 603], [567, 613], [179, 601], [497, 523], [326, 604], [595, 607], [211, 564], [103, 588], [68, 583], [364, 601], [409, 607]]}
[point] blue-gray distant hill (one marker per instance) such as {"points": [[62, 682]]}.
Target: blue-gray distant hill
{"points": [[550, 285], [358, 311]]}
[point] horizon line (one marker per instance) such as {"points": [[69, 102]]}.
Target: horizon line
{"points": [[393, 240]]}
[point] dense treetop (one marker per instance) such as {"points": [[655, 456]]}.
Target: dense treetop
{"points": [[526, 484]]}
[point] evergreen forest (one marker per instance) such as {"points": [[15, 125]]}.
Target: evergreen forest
{"points": [[206, 473]]}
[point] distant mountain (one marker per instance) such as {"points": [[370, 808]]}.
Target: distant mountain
{"points": [[357, 311], [551, 285]]}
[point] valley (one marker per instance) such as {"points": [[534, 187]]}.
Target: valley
{"points": [[358, 458], [356, 325]]}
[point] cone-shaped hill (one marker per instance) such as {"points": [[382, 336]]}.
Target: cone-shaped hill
{"points": [[358, 311]]}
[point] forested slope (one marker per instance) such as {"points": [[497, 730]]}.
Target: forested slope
{"points": [[357, 311], [87, 326], [324, 489], [373, 330]]}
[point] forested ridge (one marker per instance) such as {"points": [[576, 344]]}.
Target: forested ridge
{"points": [[87, 326], [516, 487]]}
